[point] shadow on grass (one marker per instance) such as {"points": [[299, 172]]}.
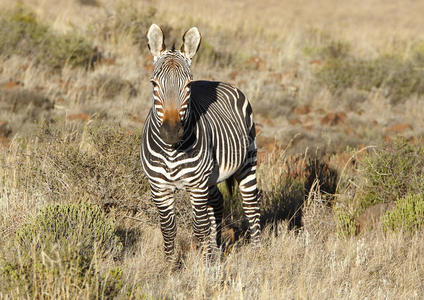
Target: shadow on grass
{"points": [[284, 202], [128, 237]]}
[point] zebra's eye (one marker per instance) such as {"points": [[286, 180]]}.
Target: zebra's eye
{"points": [[154, 83]]}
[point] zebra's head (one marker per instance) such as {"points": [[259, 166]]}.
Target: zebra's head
{"points": [[171, 81]]}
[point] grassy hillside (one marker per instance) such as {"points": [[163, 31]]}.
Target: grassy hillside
{"points": [[337, 91]]}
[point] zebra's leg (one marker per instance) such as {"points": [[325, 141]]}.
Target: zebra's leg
{"points": [[246, 178], [215, 209], [164, 201], [201, 223]]}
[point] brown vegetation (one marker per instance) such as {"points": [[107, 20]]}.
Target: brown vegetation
{"points": [[336, 89]]}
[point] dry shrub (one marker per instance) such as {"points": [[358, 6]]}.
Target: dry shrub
{"points": [[110, 86], [398, 78], [60, 248], [126, 21], [89, 2], [21, 33], [18, 100], [98, 162], [393, 174]]}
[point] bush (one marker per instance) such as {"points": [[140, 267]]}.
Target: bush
{"points": [[127, 21], [97, 163], [22, 34], [397, 77], [209, 54], [345, 223], [385, 175], [58, 250], [407, 215], [84, 226], [391, 173]]}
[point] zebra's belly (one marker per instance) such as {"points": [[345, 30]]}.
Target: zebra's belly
{"points": [[224, 174]]}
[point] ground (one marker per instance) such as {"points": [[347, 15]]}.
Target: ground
{"points": [[336, 89]]}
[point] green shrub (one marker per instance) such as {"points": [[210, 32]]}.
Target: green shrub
{"points": [[399, 78], [391, 173], [22, 34], [407, 215], [89, 2], [82, 225], [58, 250], [345, 222], [385, 175]]}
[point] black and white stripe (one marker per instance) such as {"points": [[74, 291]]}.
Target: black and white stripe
{"points": [[217, 141]]}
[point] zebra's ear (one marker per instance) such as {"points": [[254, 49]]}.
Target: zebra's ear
{"points": [[156, 40], [191, 42]]}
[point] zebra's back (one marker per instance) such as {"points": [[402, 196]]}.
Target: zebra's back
{"points": [[226, 115]]}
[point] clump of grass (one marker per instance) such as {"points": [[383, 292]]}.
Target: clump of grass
{"points": [[127, 21], [396, 77], [60, 247], [22, 34], [209, 54], [84, 225], [109, 87], [21, 99], [284, 202], [407, 215], [345, 223], [321, 45], [385, 175], [98, 162], [89, 2], [391, 173]]}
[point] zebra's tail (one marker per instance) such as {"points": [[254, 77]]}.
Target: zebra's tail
{"points": [[229, 184]]}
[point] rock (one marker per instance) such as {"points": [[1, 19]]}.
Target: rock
{"points": [[333, 118], [294, 121], [302, 110], [266, 146], [349, 130], [320, 111], [233, 75], [266, 143], [4, 141], [316, 62], [268, 122], [12, 85], [137, 118], [4, 129], [256, 63], [370, 218], [80, 117], [399, 128]]}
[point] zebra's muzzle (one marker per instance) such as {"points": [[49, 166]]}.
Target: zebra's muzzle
{"points": [[171, 132]]}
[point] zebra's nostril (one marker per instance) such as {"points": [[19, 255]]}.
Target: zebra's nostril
{"points": [[171, 133], [180, 131]]}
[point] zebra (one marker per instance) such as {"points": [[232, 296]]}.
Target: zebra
{"points": [[197, 134]]}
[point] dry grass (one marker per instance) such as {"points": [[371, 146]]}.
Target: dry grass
{"points": [[324, 78]]}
